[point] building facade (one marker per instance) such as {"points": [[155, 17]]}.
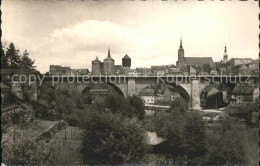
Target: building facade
{"points": [[183, 62]]}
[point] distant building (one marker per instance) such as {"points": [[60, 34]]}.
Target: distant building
{"points": [[158, 70], [192, 71], [148, 95], [126, 62], [109, 65], [66, 71], [225, 56], [119, 69], [239, 61], [213, 72], [143, 71], [170, 94], [192, 61], [244, 94], [130, 72], [59, 70], [96, 67]]}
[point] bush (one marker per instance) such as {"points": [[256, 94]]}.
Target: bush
{"points": [[184, 133], [73, 120], [23, 150], [179, 105], [227, 144], [112, 139], [130, 107]]}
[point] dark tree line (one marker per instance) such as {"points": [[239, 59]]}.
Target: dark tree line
{"points": [[12, 59]]}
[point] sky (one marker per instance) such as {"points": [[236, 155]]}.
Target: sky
{"points": [[74, 32]]}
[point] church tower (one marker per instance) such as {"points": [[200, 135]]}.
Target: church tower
{"points": [[180, 61], [96, 67], [109, 64], [225, 56]]}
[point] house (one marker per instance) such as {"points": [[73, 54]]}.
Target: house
{"points": [[198, 61], [80, 72], [172, 69], [119, 69], [239, 61], [215, 98], [170, 94], [213, 72], [148, 95], [158, 70], [130, 72], [192, 71], [143, 71], [203, 73], [59, 70], [244, 94]]}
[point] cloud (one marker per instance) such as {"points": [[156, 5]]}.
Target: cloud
{"points": [[84, 41]]}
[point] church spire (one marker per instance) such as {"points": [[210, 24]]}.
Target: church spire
{"points": [[108, 54], [181, 43], [225, 49]]}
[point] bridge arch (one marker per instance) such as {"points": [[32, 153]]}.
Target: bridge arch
{"points": [[85, 89], [215, 99], [182, 91]]}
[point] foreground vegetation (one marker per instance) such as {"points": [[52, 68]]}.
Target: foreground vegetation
{"points": [[113, 131]]}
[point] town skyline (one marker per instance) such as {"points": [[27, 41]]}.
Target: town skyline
{"points": [[76, 42]]}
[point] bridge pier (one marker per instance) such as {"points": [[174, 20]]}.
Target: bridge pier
{"points": [[195, 94], [131, 87]]}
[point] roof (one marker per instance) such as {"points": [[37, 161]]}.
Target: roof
{"points": [[213, 92], [119, 68], [243, 90], [143, 70], [158, 67], [170, 66], [241, 58], [108, 58], [147, 92], [198, 60], [126, 57], [248, 98], [96, 60]]}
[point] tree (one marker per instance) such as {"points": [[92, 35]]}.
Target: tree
{"points": [[179, 105], [184, 133], [26, 62], [23, 151], [137, 106], [13, 56], [4, 61], [227, 145], [195, 135], [112, 139]]}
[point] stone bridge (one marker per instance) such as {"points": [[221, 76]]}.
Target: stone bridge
{"points": [[189, 87]]}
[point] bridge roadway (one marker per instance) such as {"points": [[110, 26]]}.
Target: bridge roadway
{"points": [[189, 86]]}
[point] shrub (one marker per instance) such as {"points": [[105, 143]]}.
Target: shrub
{"points": [[112, 139]]}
